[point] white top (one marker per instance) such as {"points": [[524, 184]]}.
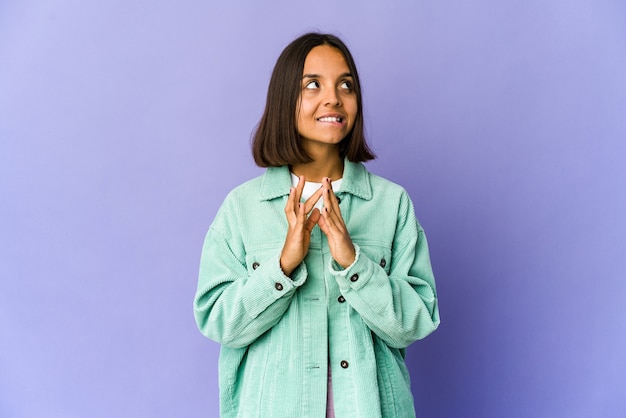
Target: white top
{"points": [[311, 187]]}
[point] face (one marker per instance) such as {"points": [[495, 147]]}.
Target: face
{"points": [[328, 105]]}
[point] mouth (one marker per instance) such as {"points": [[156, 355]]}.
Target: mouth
{"points": [[332, 119]]}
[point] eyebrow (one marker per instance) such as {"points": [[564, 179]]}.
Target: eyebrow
{"points": [[319, 76]]}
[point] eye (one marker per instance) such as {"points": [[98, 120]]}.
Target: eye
{"points": [[312, 85], [347, 85]]}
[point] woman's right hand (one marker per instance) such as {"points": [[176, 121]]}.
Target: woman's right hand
{"points": [[300, 227]]}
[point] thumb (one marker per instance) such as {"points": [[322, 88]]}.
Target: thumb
{"points": [[323, 224], [313, 219]]}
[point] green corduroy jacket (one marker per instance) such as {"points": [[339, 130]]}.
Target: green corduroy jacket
{"points": [[279, 335]]}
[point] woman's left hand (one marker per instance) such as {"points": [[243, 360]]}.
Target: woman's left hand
{"points": [[332, 224]]}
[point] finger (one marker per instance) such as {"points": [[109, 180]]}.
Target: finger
{"points": [[333, 202], [299, 188], [329, 222], [331, 208], [313, 219], [333, 222], [323, 224], [289, 206], [301, 213], [326, 209], [332, 228]]}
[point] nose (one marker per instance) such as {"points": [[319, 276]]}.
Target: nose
{"points": [[332, 97]]}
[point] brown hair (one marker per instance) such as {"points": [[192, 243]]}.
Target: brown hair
{"points": [[276, 141]]}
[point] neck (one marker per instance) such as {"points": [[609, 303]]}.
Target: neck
{"points": [[316, 170]]}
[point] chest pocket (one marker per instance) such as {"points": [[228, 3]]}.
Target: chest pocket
{"points": [[378, 253], [259, 256]]}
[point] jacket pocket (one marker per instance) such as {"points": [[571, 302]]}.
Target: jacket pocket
{"points": [[258, 256], [378, 253]]}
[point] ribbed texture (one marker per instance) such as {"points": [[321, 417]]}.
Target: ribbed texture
{"points": [[277, 333]]}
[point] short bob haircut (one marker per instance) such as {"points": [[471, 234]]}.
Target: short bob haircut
{"points": [[276, 141]]}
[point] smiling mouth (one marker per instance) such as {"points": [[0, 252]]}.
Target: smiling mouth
{"points": [[331, 119]]}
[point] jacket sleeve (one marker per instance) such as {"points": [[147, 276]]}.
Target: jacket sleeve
{"points": [[235, 304], [399, 307]]}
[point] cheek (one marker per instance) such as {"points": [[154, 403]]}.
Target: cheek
{"points": [[306, 109], [352, 109], [306, 116], [302, 122], [300, 115], [350, 103]]}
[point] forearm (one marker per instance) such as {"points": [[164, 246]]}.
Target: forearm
{"points": [[400, 307], [235, 304]]}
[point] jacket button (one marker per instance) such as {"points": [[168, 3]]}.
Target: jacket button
{"points": [[341, 299], [278, 286], [344, 364], [255, 265], [383, 262], [354, 277]]}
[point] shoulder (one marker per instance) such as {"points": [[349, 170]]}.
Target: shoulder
{"points": [[260, 193], [237, 202], [380, 183], [388, 194], [273, 183]]}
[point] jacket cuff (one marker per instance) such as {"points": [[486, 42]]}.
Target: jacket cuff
{"points": [[355, 275], [299, 274], [273, 285]]}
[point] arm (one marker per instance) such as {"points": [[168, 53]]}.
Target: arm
{"points": [[234, 304], [400, 307]]}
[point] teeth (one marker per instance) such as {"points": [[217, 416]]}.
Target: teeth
{"points": [[330, 119]]}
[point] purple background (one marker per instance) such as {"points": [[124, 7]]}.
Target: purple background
{"points": [[123, 124]]}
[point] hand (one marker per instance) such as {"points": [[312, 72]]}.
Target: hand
{"points": [[300, 227], [331, 223]]}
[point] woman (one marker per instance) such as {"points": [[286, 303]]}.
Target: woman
{"points": [[315, 276]]}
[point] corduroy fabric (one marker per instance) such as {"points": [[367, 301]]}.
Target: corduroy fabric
{"points": [[277, 333]]}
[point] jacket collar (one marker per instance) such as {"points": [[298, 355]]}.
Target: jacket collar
{"points": [[277, 181]]}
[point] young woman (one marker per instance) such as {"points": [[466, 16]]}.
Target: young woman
{"points": [[315, 276]]}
